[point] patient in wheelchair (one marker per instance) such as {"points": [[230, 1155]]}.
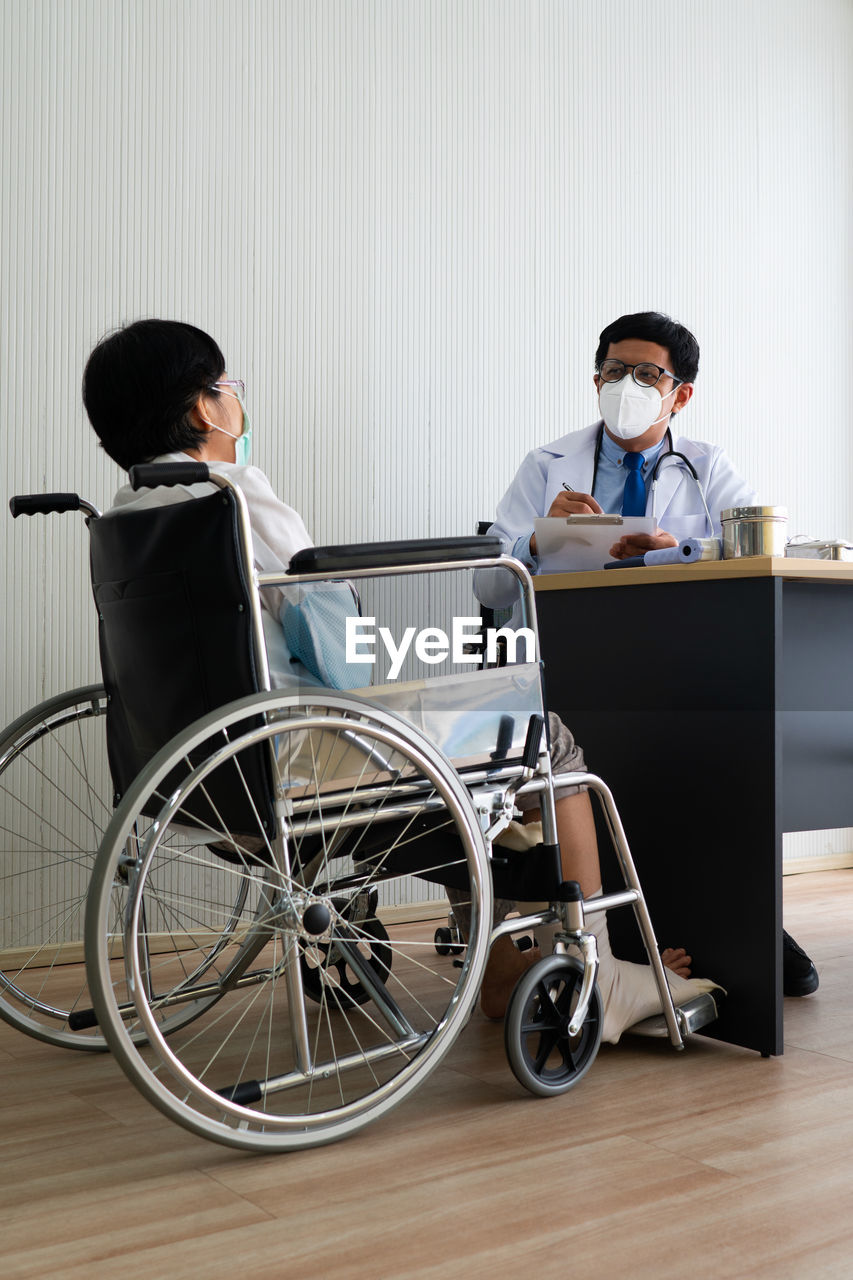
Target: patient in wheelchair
{"points": [[158, 391], [628, 991]]}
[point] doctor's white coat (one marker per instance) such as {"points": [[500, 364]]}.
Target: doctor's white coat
{"points": [[571, 459]]}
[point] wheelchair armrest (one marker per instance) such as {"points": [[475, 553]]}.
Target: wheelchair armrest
{"points": [[393, 555], [148, 475]]}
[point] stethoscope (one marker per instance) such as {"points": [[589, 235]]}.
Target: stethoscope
{"points": [[669, 455]]}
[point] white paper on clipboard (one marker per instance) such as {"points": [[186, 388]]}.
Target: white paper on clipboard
{"points": [[565, 543]]}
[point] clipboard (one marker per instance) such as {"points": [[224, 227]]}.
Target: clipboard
{"points": [[582, 543]]}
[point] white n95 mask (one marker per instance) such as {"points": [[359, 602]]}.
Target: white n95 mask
{"points": [[627, 409]]}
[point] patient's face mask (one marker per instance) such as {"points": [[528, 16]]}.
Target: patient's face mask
{"points": [[243, 445], [629, 410]]}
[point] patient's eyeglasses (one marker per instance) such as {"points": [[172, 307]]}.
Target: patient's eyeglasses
{"points": [[237, 383]]}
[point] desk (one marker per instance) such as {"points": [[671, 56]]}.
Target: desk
{"points": [[734, 725]]}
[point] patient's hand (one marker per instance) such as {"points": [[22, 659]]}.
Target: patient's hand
{"points": [[638, 544]]}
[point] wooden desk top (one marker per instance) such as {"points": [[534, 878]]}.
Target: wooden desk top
{"points": [[703, 570]]}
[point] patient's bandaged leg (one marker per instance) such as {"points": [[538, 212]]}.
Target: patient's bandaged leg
{"points": [[629, 992]]}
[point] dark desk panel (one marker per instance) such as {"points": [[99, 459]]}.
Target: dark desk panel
{"points": [[815, 706], [720, 713]]}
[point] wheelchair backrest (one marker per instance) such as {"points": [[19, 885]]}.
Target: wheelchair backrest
{"points": [[176, 640]]}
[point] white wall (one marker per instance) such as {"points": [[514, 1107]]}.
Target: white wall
{"points": [[406, 223]]}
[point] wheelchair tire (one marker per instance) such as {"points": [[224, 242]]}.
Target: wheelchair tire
{"points": [[543, 1058], [268, 1068], [56, 804]]}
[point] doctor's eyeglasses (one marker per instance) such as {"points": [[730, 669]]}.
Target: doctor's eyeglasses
{"points": [[645, 375]]}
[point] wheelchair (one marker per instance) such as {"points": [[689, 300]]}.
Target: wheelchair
{"points": [[253, 961]]}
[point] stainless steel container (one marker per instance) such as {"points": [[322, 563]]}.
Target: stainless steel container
{"points": [[818, 549], [754, 531]]}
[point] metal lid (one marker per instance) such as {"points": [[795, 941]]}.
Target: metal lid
{"points": [[754, 513]]}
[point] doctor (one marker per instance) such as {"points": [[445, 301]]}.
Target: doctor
{"points": [[645, 368]]}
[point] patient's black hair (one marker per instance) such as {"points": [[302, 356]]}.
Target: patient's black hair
{"points": [[653, 326], [140, 384]]}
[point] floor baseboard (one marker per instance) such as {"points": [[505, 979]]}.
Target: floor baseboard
{"points": [[826, 862]]}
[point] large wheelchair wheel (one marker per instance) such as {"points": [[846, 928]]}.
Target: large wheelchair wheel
{"points": [[56, 805], [56, 800], [370, 814]]}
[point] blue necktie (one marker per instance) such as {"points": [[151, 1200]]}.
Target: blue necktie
{"points": [[634, 497]]}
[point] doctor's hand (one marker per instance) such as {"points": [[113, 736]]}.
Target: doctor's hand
{"points": [[570, 503], [638, 544]]}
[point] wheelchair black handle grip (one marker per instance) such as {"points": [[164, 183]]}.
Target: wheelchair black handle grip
{"points": [[35, 504], [148, 475]]}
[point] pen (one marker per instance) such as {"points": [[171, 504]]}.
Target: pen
{"points": [[568, 488]]}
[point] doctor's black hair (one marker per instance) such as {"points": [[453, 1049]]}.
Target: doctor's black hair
{"points": [[653, 326], [140, 384]]}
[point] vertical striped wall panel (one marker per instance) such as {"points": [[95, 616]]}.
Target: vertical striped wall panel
{"points": [[406, 222]]}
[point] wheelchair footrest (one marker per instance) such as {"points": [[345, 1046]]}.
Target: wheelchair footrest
{"points": [[692, 1016]]}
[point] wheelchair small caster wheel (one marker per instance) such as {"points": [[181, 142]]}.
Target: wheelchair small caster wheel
{"points": [[443, 940], [447, 943], [542, 1056]]}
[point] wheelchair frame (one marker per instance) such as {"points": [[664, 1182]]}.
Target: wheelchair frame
{"points": [[276, 907]]}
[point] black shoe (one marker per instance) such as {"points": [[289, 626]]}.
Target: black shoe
{"points": [[799, 976]]}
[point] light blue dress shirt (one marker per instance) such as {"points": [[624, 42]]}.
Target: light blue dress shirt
{"points": [[610, 480]]}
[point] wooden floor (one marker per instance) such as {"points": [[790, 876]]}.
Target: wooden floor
{"points": [[710, 1163]]}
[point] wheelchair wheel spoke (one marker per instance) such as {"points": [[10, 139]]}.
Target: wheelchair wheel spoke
{"points": [[548, 1040]]}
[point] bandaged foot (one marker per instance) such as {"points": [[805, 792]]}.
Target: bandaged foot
{"points": [[629, 992]]}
